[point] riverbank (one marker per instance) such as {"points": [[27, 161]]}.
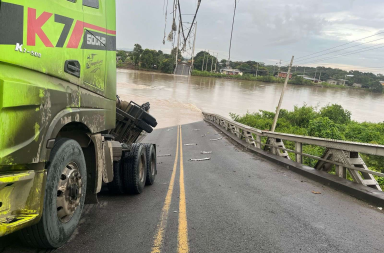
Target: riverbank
{"points": [[271, 79]]}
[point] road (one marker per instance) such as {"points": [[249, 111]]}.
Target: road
{"points": [[235, 202]]}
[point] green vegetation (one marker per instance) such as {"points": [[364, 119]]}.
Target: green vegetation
{"points": [[147, 59], [331, 122], [248, 77]]}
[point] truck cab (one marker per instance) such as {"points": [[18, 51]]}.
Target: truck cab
{"points": [[57, 98]]}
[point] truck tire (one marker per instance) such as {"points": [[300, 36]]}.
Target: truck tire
{"points": [[116, 186], [135, 169], [146, 117], [142, 125], [65, 191], [151, 164]]}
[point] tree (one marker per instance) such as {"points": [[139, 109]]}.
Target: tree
{"points": [[179, 56], [207, 59], [147, 59], [324, 128], [166, 65], [137, 51], [122, 54], [377, 87], [336, 113]]}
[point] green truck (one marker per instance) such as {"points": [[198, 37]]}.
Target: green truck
{"points": [[63, 132]]}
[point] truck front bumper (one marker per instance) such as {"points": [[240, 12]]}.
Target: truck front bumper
{"points": [[21, 199]]}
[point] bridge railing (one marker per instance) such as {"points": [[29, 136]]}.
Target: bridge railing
{"points": [[341, 157]]}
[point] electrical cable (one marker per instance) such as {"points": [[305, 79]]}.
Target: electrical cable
{"points": [[340, 45], [340, 50], [233, 23], [166, 18], [349, 53], [194, 18], [181, 20]]}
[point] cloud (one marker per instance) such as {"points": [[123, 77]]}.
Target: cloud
{"points": [[281, 24], [264, 29]]}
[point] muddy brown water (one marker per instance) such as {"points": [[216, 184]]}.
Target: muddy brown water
{"points": [[180, 100]]}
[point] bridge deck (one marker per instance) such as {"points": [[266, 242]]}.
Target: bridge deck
{"points": [[235, 202]]}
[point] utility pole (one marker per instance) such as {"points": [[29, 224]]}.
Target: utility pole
{"points": [[202, 66], [320, 76], [206, 64], [212, 63], [274, 66], [194, 44], [257, 69], [282, 97], [178, 43], [217, 58], [304, 71], [278, 74], [315, 74]]}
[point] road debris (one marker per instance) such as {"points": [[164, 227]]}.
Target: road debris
{"points": [[316, 192], [216, 139], [164, 155], [200, 160], [380, 208], [191, 144], [206, 152], [203, 135], [169, 129]]}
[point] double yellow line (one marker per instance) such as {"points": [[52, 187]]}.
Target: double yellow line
{"points": [[182, 238]]}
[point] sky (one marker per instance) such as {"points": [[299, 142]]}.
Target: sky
{"points": [[266, 30]]}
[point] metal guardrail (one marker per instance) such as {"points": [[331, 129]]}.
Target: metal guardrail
{"points": [[342, 155]]}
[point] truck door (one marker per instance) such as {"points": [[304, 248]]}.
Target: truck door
{"points": [[94, 45]]}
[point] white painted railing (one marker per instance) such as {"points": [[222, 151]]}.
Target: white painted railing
{"points": [[344, 156]]}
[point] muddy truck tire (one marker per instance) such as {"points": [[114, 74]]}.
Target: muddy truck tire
{"points": [[142, 125], [137, 112], [151, 163], [116, 186], [65, 192], [144, 116], [135, 169]]}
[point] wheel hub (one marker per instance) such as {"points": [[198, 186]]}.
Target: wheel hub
{"points": [[68, 192]]}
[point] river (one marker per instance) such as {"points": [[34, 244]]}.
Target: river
{"points": [[180, 100]]}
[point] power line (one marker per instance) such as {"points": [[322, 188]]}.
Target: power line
{"points": [[193, 21], [233, 23], [350, 53], [166, 18], [181, 20], [307, 58], [341, 45]]}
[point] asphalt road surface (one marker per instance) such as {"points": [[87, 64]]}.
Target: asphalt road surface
{"points": [[234, 202]]}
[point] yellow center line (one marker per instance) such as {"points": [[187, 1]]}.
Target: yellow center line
{"points": [[182, 237], [158, 242]]}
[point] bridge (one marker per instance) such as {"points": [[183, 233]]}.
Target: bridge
{"points": [[183, 69], [225, 187]]}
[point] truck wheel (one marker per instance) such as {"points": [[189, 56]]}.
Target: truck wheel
{"points": [[135, 169], [116, 186], [141, 124], [146, 117], [65, 191], [151, 164]]}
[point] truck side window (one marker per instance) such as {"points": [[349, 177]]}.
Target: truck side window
{"points": [[91, 3]]}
